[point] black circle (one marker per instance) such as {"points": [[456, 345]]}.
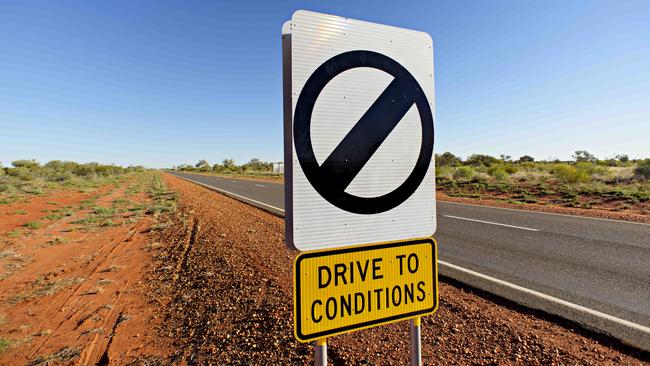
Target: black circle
{"points": [[302, 132]]}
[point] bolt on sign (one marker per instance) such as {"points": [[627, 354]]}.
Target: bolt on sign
{"points": [[352, 288], [359, 132]]}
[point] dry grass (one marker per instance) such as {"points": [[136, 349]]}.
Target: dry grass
{"points": [[43, 287]]}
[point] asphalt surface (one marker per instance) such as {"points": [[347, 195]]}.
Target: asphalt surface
{"points": [[602, 265]]}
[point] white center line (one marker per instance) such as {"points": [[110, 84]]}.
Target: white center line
{"points": [[234, 181], [259, 185], [490, 222]]}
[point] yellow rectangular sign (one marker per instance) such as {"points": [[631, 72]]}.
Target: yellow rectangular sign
{"points": [[341, 290]]}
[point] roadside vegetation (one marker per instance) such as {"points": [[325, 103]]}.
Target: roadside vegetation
{"points": [[614, 184], [4, 345], [29, 177], [83, 244], [128, 208], [255, 168]]}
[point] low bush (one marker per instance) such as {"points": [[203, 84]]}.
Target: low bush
{"points": [[4, 345], [508, 168], [592, 168], [21, 173], [29, 177], [464, 173], [444, 172], [641, 196], [500, 175], [570, 174], [643, 169]]}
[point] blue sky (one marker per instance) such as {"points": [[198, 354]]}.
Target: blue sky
{"points": [[161, 83]]}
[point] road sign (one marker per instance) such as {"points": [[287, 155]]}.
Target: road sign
{"points": [[341, 290], [359, 132]]}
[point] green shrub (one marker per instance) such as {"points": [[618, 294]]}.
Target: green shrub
{"points": [[4, 345], [508, 168], [500, 175], [7, 188], [104, 210], [447, 159], [643, 169], [29, 164], [641, 196], [591, 168], [21, 173], [33, 225], [444, 172], [464, 173], [61, 177], [569, 174], [479, 159]]}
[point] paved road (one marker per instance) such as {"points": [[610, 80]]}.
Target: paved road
{"points": [[602, 265]]}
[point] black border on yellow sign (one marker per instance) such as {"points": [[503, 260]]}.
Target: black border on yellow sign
{"points": [[341, 330]]}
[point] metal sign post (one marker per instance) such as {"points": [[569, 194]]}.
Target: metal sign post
{"points": [[320, 357], [416, 342]]}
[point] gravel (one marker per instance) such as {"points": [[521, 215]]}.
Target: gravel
{"points": [[223, 278]]}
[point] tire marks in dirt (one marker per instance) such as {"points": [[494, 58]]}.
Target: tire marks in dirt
{"points": [[221, 307]]}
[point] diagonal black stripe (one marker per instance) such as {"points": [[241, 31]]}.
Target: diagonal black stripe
{"points": [[358, 146]]}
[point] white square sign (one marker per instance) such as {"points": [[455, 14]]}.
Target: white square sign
{"points": [[359, 132]]}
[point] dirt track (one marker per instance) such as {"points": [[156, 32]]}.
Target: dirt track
{"points": [[224, 279], [71, 295]]}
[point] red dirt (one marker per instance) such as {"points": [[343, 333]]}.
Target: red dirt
{"points": [[224, 277], [79, 299], [18, 213]]}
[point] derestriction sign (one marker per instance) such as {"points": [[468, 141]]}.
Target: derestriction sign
{"points": [[352, 288]]}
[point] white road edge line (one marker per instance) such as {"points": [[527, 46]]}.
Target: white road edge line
{"points": [[541, 295], [544, 213], [490, 222], [259, 185], [246, 199], [570, 305]]}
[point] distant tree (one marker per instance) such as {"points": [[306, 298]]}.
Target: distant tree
{"points": [[505, 158], [584, 156], [623, 158], [202, 164], [447, 159], [228, 163], [257, 165], [526, 159], [29, 164], [478, 160]]}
